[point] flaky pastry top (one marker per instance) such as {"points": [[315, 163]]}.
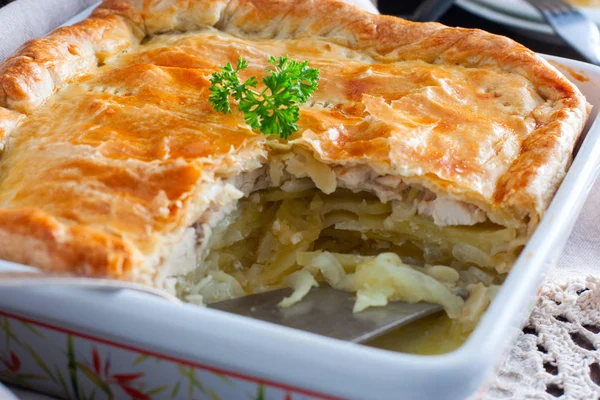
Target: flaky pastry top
{"points": [[111, 144]]}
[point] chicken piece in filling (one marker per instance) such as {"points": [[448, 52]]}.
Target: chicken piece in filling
{"points": [[373, 235]]}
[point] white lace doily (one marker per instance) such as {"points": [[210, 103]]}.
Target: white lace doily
{"points": [[556, 356]]}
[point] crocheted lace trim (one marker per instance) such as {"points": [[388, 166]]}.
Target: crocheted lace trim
{"points": [[556, 356]]}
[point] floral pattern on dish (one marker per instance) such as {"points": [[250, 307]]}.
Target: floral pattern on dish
{"points": [[77, 366]]}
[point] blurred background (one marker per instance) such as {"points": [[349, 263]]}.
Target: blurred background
{"points": [[457, 16]]}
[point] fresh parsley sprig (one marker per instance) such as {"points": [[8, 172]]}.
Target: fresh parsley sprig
{"points": [[274, 110]]}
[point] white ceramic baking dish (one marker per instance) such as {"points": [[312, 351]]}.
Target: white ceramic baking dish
{"points": [[120, 344]]}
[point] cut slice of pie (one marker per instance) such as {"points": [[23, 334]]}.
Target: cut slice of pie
{"points": [[421, 165]]}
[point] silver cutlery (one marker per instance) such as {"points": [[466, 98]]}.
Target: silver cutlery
{"points": [[328, 312], [576, 29]]}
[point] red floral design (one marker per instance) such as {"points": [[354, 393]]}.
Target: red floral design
{"points": [[87, 376], [13, 364], [135, 394], [107, 367], [96, 358], [103, 377], [125, 378]]}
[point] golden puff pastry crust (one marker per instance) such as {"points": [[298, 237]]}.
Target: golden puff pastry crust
{"points": [[111, 148]]}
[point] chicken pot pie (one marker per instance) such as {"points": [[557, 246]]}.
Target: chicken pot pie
{"points": [[420, 168]]}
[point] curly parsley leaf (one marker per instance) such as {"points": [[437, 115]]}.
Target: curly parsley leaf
{"points": [[274, 110]]}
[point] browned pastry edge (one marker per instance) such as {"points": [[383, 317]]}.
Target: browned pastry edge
{"points": [[42, 66], [32, 237], [38, 69]]}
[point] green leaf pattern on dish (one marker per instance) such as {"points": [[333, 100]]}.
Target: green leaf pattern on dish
{"points": [[77, 367]]}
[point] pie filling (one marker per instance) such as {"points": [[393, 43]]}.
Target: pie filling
{"points": [[407, 244]]}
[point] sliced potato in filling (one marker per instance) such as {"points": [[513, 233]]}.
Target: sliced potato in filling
{"points": [[353, 242]]}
